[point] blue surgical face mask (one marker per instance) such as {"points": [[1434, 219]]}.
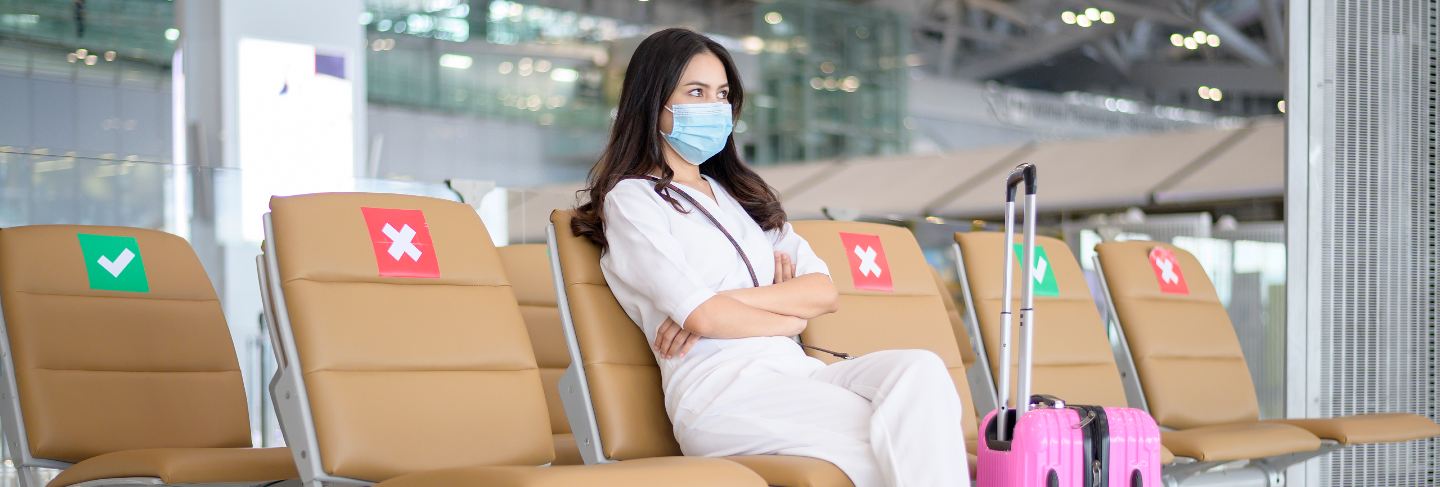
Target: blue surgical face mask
{"points": [[700, 130]]}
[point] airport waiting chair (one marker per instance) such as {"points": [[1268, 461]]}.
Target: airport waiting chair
{"points": [[404, 357], [1073, 358], [528, 267], [982, 389], [889, 299], [118, 366], [612, 390], [1186, 354]]}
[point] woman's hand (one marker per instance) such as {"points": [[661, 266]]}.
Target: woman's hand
{"points": [[784, 267], [672, 341]]}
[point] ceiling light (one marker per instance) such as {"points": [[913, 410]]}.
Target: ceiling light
{"points": [[1213, 40], [1092, 13], [1199, 36], [1107, 17], [1281, 106], [172, 34], [1190, 43], [1178, 40], [1204, 92], [774, 18], [1216, 94], [506, 67], [71, 57], [827, 67], [564, 75], [752, 44], [90, 60], [456, 61], [1083, 21], [1067, 17]]}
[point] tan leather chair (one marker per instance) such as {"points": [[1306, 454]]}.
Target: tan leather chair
{"points": [[528, 267], [1188, 357], [384, 376], [911, 315], [612, 390], [137, 385], [1073, 358]]}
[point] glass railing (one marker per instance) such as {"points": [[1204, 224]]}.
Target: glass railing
{"points": [[130, 29]]}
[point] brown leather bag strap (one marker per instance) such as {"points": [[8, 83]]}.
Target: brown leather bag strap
{"points": [[753, 279]]}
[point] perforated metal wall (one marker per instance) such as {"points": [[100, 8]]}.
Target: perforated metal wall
{"points": [[1378, 310]]}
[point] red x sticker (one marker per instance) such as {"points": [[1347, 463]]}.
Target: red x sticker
{"points": [[402, 243], [868, 266], [1167, 271]]}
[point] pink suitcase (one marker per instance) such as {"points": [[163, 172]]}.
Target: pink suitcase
{"points": [[1047, 443]]}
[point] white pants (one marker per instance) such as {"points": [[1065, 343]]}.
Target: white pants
{"points": [[889, 418]]}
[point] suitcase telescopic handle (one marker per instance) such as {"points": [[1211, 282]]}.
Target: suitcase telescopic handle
{"points": [[1022, 173]]}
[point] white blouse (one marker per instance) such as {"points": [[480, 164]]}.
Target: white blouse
{"points": [[662, 263]]}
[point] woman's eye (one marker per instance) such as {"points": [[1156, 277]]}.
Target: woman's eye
{"points": [[695, 92], [723, 95]]}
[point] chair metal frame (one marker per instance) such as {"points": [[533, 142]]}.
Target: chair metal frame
{"points": [[574, 387], [981, 375], [287, 388]]}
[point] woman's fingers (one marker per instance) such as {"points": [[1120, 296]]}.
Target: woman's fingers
{"points": [[689, 343], [779, 267], [665, 337], [677, 346], [789, 266]]}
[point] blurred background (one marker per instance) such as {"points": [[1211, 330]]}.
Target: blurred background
{"points": [[1149, 119]]}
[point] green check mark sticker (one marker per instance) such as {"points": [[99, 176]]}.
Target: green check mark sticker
{"points": [[113, 263], [1043, 274]]}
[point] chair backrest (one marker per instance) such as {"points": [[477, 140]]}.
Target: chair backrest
{"points": [[629, 404], [528, 268], [889, 298], [1187, 355], [410, 342], [1072, 357], [117, 342]]}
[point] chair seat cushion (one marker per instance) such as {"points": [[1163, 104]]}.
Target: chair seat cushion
{"points": [[1368, 428], [1241, 441], [794, 471], [185, 466], [647, 472]]}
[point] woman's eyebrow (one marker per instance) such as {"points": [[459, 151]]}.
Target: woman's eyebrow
{"points": [[704, 85]]}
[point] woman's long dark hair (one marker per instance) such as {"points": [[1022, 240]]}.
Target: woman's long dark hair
{"points": [[636, 145]]}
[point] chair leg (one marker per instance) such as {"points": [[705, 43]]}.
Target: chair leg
{"points": [[29, 477]]}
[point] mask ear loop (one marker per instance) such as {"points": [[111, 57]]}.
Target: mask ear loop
{"points": [[672, 123]]}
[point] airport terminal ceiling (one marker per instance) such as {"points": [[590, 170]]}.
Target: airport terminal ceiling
{"points": [[829, 78]]}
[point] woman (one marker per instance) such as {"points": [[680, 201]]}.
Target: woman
{"points": [[691, 277]]}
